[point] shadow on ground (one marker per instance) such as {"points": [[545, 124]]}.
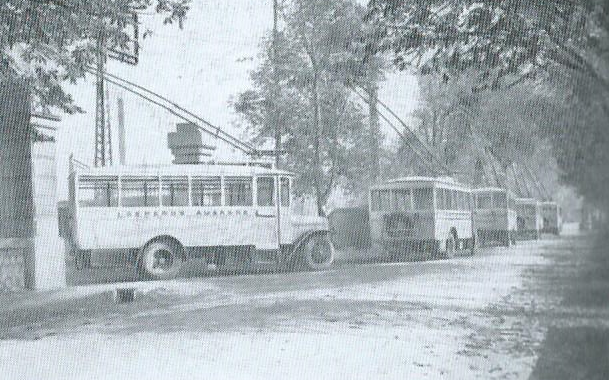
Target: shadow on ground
{"points": [[578, 348]]}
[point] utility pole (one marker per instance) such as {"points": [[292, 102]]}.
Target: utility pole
{"points": [[373, 115], [121, 131], [275, 95], [103, 134], [100, 123]]}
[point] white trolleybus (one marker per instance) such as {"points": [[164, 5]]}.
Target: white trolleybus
{"points": [[495, 216], [528, 218], [421, 215], [551, 214], [234, 215]]}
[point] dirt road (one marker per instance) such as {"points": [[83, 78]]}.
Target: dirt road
{"points": [[504, 314]]}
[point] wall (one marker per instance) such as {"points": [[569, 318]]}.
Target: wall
{"points": [[31, 255]]}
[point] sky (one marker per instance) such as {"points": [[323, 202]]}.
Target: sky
{"points": [[200, 67]]}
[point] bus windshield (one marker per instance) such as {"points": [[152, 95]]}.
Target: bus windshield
{"points": [[422, 199], [499, 200]]}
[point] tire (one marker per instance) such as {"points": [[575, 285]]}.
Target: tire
{"points": [[450, 246], [318, 252], [507, 239], [82, 259], [160, 260]]}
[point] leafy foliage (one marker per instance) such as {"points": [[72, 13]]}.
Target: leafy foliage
{"points": [[49, 42], [554, 54], [306, 90]]}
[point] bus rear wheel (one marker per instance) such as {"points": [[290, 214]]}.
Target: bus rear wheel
{"points": [[450, 246], [160, 260], [318, 252]]}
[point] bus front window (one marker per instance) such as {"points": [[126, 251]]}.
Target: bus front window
{"points": [[422, 199], [484, 201], [401, 199], [499, 200]]}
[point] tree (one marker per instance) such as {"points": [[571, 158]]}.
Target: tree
{"points": [[45, 43], [557, 46], [317, 60]]}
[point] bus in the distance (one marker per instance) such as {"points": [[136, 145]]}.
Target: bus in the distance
{"points": [[495, 216], [233, 215], [421, 215], [551, 214], [528, 218]]}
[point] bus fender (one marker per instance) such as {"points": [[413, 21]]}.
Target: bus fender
{"points": [[301, 240]]}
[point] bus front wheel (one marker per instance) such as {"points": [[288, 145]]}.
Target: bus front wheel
{"points": [[160, 260], [318, 252]]}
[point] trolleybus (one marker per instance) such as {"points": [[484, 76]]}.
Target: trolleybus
{"points": [[495, 215], [234, 215], [528, 218], [551, 214], [421, 214]]}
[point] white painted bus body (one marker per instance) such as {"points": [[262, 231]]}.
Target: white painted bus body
{"points": [[424, 226], [551, 214], [495, 215], [528, 218], [214, 220]]}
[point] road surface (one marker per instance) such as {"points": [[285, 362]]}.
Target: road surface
{"points": [[539, 310]]}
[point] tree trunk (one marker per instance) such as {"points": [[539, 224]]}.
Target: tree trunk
{"points": [[317, 145]]}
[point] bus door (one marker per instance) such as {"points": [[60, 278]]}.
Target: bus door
{"points": [[284, 210], [267, 215]]}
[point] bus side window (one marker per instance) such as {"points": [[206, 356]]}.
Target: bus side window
{"points": [[238, 191], [285, 192], [174, 191], [98, 191], [460, 200], [385, 200], [375, 200], [140, 191], [448, 200], [440, 199], [206, 191], [464, 197], [265, 187]]}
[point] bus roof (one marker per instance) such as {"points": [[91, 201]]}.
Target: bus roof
{"points": [[427, 180], [549, 203], [493, 189], [488, 189], [220, 168], [527, 200]]}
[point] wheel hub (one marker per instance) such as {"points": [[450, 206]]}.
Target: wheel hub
{"points": [[162, 260]]}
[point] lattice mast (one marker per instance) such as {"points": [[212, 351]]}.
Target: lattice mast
{"points": [[103, 138]]}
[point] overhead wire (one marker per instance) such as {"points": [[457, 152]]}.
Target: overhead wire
{"points": [[192, 118], [400, 134], [431, 152]]}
